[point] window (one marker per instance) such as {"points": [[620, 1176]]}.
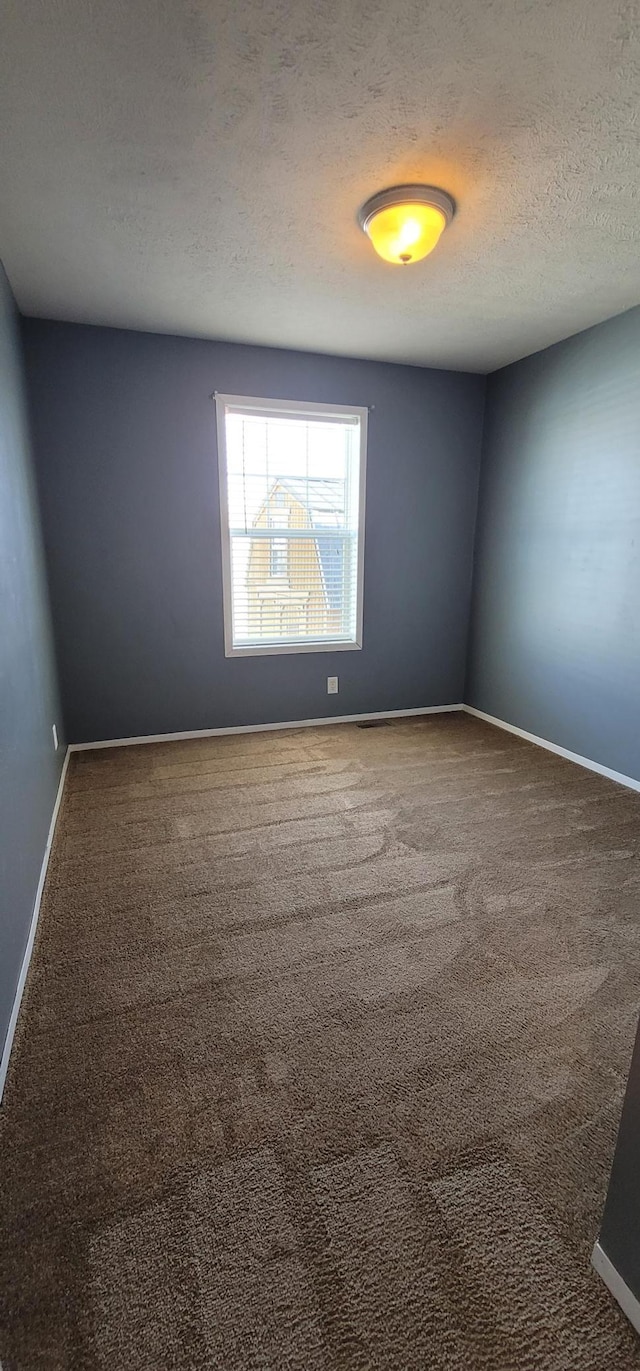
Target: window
{"points": [[278, 547], [292, 513], [279, 559]]}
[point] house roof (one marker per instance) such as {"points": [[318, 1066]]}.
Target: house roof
{"points": [[322, 497], [331, 556]]}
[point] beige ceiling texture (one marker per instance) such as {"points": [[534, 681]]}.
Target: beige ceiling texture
{"points": [[194, 166]]}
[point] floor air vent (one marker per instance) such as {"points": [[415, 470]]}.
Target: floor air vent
{"points": [[374, 723]]}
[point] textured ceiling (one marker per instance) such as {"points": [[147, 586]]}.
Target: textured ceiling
{"points": [[194, 166]]}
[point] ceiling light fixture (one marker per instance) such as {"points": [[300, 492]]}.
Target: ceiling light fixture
{"points": [[404, 223]]}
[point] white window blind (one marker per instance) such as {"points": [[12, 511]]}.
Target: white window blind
{"points": [[292, 512]]}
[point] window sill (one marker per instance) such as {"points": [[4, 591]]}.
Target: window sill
{"points": [[288, 649]]}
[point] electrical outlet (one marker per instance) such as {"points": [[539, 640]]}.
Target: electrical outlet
{"points": [[332, 685], [55, 736]]}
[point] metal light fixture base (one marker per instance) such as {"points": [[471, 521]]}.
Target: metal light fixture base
{"points": [[405, 195]]}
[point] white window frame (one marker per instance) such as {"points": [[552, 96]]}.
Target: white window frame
{"points": [[311, 410]]}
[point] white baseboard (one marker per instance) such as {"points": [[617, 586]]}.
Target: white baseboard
{"points": [[629, 781], [262, 728], [8, 1043], [616, 1286]]}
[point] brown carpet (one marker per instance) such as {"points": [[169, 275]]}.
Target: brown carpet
{"points": [[322, 1057]]}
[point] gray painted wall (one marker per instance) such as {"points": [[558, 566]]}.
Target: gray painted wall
{"points": [[29, 766], [125, 442], [555, 638]]}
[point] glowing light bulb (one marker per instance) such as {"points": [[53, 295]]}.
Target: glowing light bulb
{"points": [[405, 223]]}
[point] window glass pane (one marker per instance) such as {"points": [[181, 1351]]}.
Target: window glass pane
{"points": [[297, 587]]}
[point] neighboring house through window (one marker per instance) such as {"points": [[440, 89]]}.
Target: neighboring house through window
{"points": [[292, 485]]}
